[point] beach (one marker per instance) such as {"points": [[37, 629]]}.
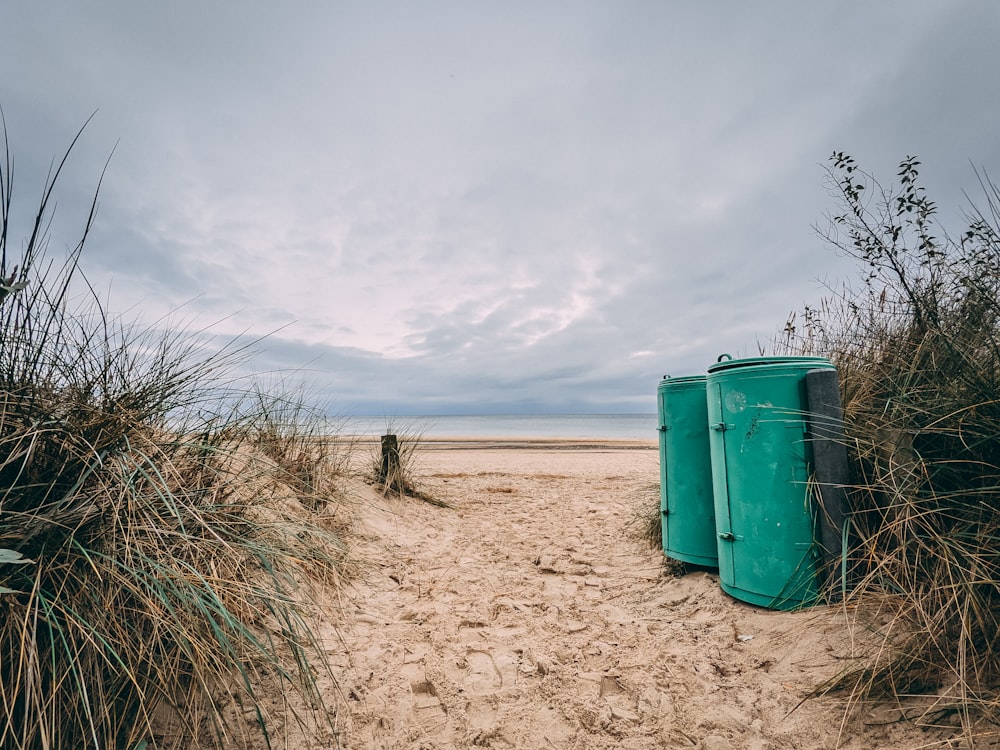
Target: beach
{"points": [[530, 612]]}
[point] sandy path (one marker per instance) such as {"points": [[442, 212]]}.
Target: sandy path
{"points": [[530, 615]]}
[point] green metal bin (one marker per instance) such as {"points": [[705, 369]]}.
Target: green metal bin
{"points": [[686, 499], [761, 462]]}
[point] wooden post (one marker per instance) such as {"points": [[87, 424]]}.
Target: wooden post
{"points": [[389, 469]]}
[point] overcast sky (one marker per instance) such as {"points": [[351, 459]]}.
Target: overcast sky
{"points": [[439, 207]]}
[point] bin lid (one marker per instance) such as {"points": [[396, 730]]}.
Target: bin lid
{"points": [[667, 380], [731, 364]]}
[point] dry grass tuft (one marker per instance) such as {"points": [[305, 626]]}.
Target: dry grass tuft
{"points": [[397, 474], [647, 521]]}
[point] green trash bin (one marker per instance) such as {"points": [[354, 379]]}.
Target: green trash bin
{"points": [[686, 500], [761, 462]]}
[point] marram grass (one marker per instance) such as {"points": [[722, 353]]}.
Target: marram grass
{"points": [[158, 520]]}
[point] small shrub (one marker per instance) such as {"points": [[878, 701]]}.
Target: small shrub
{"points": [[917, 346]]}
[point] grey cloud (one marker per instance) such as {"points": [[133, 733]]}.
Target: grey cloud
{"points": [[449, 206]]}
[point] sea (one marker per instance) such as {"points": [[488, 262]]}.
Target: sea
{"points": [[611, 426]]}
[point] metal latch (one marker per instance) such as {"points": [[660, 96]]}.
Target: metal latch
{"points": [[726, 535], [721, 426]]}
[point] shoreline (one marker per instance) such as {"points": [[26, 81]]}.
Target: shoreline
{"points": [[466, 442]]}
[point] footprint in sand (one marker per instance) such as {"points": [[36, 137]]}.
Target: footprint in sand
{"points": [[427, 707], [483, 677], [480, 717]]}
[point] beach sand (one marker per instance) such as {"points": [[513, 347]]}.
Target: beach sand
{"points": [[531, 614]]}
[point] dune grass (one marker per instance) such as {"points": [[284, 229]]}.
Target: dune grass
{"points": [[917, 346], [158, 519]]}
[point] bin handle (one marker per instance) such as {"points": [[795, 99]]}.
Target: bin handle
{"points": [[727, 356]]}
